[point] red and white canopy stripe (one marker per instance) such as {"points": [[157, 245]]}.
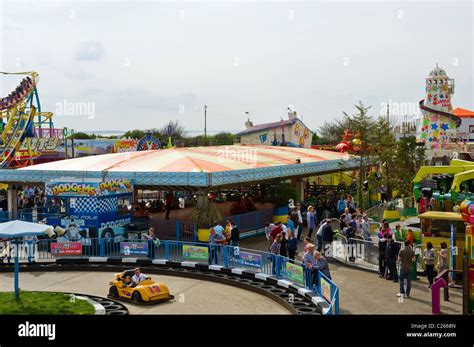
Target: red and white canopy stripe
{"points": [[192, 159]]}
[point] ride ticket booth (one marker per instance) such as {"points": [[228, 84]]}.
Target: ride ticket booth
{"points": [[102, 207]]}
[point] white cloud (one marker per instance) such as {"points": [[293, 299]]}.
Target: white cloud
{"points": [[90, 51]]}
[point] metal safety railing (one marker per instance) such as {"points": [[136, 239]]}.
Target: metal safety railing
{"points": [[178, 251], [359, 252]]}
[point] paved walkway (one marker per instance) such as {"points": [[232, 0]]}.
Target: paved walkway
{"points": [[191, 296], [363, 292]]}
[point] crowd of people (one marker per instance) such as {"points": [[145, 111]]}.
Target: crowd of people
{"points": [[220, 235], [21, 92], [31, 197], [391, 253]]}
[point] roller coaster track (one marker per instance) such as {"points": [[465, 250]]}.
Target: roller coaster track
{"points": [[20, 118]]}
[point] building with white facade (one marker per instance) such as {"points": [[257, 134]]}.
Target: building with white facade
{"points": [[291, 132]]}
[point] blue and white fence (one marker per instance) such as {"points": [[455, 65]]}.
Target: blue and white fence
{"points": [[250, 224], [178, 251]]}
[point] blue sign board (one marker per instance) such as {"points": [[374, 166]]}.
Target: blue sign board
{"points": [[250, 259], [134, 248]]}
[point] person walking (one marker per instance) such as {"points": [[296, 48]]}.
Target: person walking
{"points": [[290, 224], [406, 257], [275, 250], [275, 231], [214, 241], [234, 238], [284, 245], [392, 256], [169, 204], [234, 235], [311, 220], [429, 257], [153, 241], [300, 222], [307, 242], [319, 235], [328, 238], [322, 264], [350, 233], [443, 262], [341, 205], [309, 261], [386, 229], [382, 256], [218, 228], [365, 227], [398, 234], [268, 230], [292, 246], [346, 218]]}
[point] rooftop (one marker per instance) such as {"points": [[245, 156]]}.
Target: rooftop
{"points": [[191, 167], [463, 113]]}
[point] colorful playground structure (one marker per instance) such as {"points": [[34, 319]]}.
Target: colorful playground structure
{"points": [[26, 131], [445, 183]]}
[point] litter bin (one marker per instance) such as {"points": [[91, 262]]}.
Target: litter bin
{"points": [[414, 274]]}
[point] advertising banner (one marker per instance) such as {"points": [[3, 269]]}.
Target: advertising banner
{"points": [[116, 186], [89, 189], [250, 259], [72, 188], [196, 253], [326, 289], [66, 248], [134, 248], [294, 272]]}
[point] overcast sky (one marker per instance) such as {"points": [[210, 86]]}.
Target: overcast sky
{"points": [[139, 64]]}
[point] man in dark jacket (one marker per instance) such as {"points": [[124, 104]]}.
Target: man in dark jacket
{"points": [[382, 250], [234, 234], [328, 238], [391, 255]]}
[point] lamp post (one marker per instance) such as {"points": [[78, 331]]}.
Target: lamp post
{"points": [[205, 121]]}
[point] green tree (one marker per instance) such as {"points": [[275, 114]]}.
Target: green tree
{"points": [[318, 140], [82, 136], [134, 134], [223, 138], [362, 126], [177, 129], [332, 132], [410, 157], [385, 151]]}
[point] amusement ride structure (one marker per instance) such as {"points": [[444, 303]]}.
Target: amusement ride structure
{"points": [[26, 131]]}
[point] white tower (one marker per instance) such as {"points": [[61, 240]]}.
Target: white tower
{"points": [[438, 124]]}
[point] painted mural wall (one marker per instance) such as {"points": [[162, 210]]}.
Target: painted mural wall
{"points": [[437, 130], [296, 135]]}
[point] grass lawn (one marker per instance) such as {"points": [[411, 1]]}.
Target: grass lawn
{"points": [[43, 303]]}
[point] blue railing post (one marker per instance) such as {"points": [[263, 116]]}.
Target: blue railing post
{"points": [[336, 303], [226, 256], [178, 231], [102, 246], [195, 234], [167, 250], [277, 265]]}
